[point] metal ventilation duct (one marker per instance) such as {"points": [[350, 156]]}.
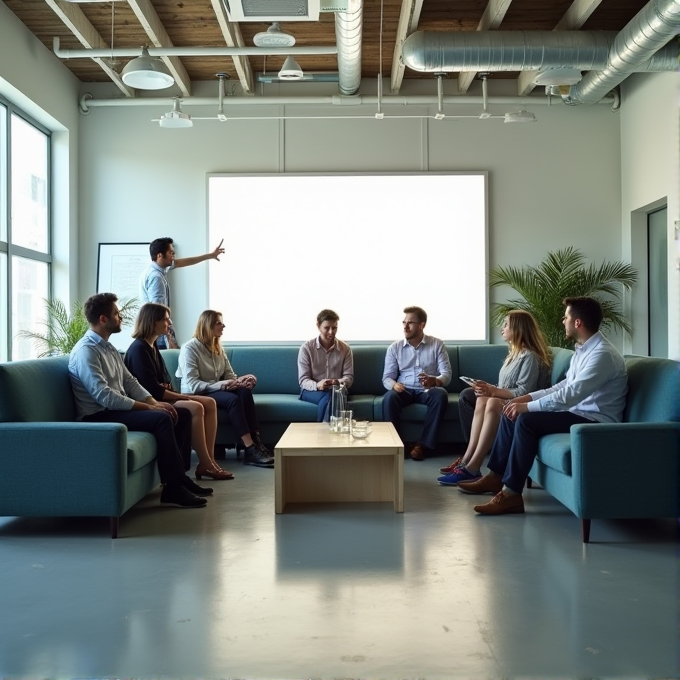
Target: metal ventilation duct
{"points": [[634, 48], [493, 51], [348, 35]]}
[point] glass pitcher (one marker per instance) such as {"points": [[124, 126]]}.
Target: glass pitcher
{"points": [[338, 404]]}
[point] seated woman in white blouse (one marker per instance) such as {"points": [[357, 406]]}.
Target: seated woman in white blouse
{"points": [[204, 369], [526, 369]]}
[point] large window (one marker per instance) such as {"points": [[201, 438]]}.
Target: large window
{"points": [[25, 253], [365, 245]]}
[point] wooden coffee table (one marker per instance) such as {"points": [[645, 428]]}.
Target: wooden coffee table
{"points": [[315, 466]]}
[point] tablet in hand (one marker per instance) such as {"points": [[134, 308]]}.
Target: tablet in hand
{"points": [[469, 381]]}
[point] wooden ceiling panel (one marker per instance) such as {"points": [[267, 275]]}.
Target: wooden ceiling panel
{"points": [[193, 23]]}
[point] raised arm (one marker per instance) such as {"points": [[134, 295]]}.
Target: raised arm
{"points": [[188, 261]]}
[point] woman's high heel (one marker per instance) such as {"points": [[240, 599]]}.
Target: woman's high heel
{"points": [[216, 474]]}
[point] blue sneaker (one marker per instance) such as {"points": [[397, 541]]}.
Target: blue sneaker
{"points": [[460, 475]]}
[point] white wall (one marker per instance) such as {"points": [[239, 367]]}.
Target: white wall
{"points": [[649, 179], [552, 184], [33, 79]]}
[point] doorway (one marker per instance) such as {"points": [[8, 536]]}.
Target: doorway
{"points": [[657, 282]]}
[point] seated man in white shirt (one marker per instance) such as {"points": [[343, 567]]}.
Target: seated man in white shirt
{"points": [[594, 390], [324, 361], [106, 392], [417, 369]]}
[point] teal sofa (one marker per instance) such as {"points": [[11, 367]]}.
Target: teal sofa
{"points": [[277, 393], [621, 470], [51, 465]]}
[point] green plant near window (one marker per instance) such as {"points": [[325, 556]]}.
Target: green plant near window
{"points": [[64, 329], [563, 274]]}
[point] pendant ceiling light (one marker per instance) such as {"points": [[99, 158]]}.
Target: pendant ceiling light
{"points": [[290, 70], [147, 73], [176, 118]]}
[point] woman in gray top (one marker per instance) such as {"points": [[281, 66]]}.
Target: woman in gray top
{"points": [[526, 369], [204, 369]]}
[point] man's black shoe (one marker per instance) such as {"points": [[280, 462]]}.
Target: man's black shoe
{"points": [[254, 455], [180, 497], [200, 491]]}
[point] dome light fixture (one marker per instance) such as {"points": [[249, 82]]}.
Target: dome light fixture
{"points": [[176, 118], [147, 73], [519, 117], [290, 70]]}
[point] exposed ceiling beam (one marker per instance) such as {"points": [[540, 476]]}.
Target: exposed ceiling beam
{"points": [[233, 38], [491, 19], [408, 22], [577, 15], [148, 18], [80, 26]]}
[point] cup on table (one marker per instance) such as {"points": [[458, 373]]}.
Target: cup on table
{"points": [[346, 422], [361, 429]]}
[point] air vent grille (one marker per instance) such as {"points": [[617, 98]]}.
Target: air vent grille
{"points": [[272, 10]]}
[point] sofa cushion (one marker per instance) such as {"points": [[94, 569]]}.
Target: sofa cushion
{"points": [[361, 406], [554, 450], [561, 360], [481, 362], [369, 364], [653, 390], [274, 365], [141, 450], [36, 391], [284, 408]]}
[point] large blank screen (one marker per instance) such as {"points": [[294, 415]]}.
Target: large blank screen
{"points": [[365, 246]]}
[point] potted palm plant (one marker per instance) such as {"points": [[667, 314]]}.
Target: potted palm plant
{"points": [[564, 273], [63, 329]]}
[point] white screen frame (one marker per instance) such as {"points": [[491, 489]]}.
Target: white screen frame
{"points": [[264, 201]]}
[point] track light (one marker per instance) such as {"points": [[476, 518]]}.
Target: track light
{"points": [[176, 118]]}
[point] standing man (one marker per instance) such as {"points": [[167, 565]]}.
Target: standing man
{"points": [[417, 369], [594, 391], [324, 361], [153, 285], [106, 392]]}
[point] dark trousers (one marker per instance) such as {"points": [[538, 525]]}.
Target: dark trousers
{"points": [[436, 400], [173, 441], [516, 445], [240, 409], [322, 398], [467, 400]]}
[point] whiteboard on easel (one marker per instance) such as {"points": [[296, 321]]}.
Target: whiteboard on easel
{"points": [[119, 268]]}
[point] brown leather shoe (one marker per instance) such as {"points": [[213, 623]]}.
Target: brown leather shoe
{"points": [[418, 452], [490, 483], [501, 504]]}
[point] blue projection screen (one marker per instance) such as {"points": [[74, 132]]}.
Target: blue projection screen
{"points": [[364, 245]]}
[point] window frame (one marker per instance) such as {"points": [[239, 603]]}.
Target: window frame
{"points": [[6, 246]]}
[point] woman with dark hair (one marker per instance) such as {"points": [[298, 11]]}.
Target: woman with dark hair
{"points": [[526, 369], [144, 360], [205, 370]]}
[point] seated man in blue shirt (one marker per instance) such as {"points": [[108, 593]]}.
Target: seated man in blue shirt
{"points": [[106, 392], [417, 369], [593, 391]]}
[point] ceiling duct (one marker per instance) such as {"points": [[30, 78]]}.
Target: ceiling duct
{"points": [[348, 36], [494, 51], [635, 49]]}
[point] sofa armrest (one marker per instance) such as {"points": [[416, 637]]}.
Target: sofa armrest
{"points": [[626, 469], [62, 468]]}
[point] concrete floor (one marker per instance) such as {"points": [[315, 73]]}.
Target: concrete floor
{"points": [[338, 591]]}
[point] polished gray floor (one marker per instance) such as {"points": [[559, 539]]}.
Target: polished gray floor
{"points": [[338, 591]]}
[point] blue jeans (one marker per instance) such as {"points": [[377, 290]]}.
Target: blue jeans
{"points": [[436, 400], [322, 398], [516, 445]]}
